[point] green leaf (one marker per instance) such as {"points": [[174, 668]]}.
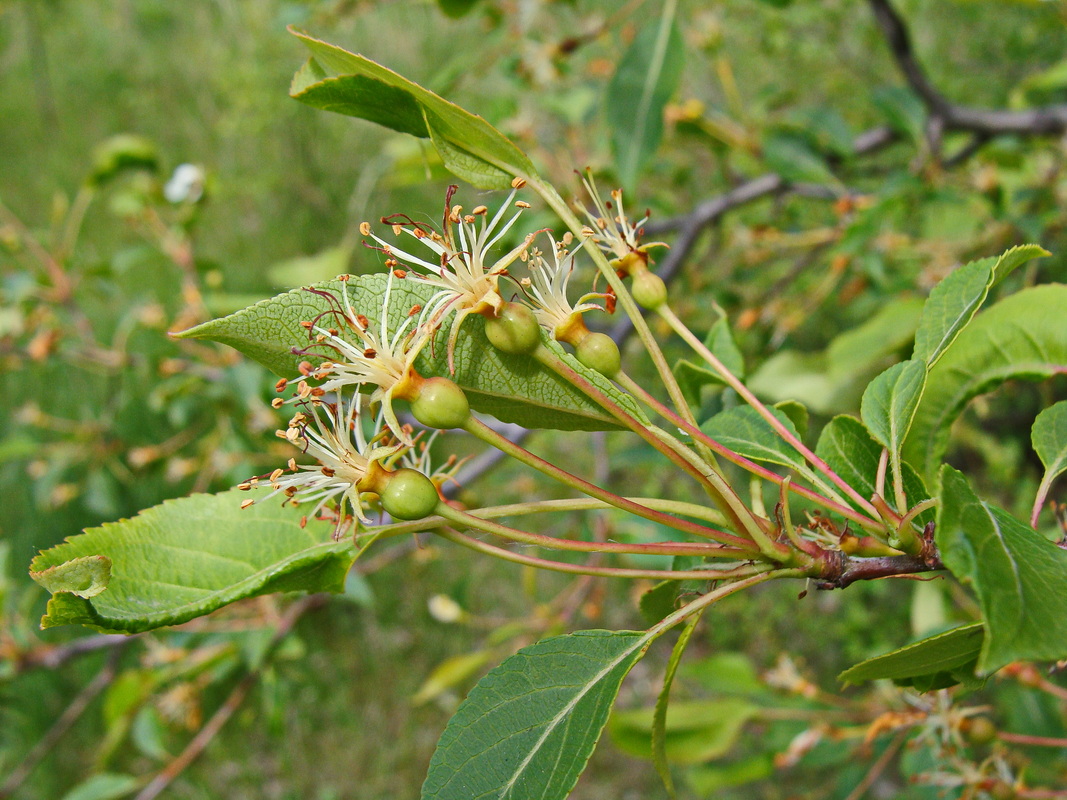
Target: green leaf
{"points": [[693, 377], [792, 158], [456, 8], [188, 557], [696, 731], [302, 270], [850, 450], [1020, 337], [512, 388], [948, 656], [647, 75], [744, 431], [955, 300], [346, 83], [104, 786], [1018, 575], [903, 110], [890, 401], [450, 673], [1049, 437], [85, 577], [659, 716], [527, 729]]}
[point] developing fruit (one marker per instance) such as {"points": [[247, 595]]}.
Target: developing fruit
{"points": [[598, 351], [649, 290], [514, 330], [440, 404], [409, 495]]}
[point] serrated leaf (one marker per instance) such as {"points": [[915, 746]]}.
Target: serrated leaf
{"points": [[85, 577], [744, 431], [512, 388], [188, 557], [950, 655], [850, 450], [527, 729], [1020, 337], [647, 75], [889, 403], [464, 164], [955, 300], [696, 731], [1019, 576], [1049, 437], [337, 80]]}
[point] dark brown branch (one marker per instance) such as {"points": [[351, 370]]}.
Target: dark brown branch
{"points": [[1042, 121], [845, 570]]}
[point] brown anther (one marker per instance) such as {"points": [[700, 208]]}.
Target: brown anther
{"points": [[332, 331], [280, 385], [399, 273], [518, 183], [305, 368], [397, 229], [362, 321], [568, 237], [276, 474], [247, 503], [343, 278], [521, 204], [244, 487], [303, 390], [282, 434], [318, 391], [320, 338], [291, 463], [277, 402], [364, 228], [415, 309], [391, 263], [587, 231], [370, 352], [290, 491], [303, 522], [306, 325], [329, 472], [480, 210], [469, 219]]}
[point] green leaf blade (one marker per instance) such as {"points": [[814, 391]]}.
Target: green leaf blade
{"points": [[648, 73], [1018, 575], [1021, 337], [527, 729], [188, 557], [890, 401], [512, 388], [1049, 438], [952, 654], [744, 431]]}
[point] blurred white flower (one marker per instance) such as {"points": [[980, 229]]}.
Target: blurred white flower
{"points": [[186, 185]]}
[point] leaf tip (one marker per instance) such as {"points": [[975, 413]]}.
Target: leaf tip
{"points": [[83, 577]]}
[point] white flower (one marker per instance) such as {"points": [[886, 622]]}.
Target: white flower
{"points": [[546, 288], [374, 357], [186, 185], [610, 229], [464, 273], [331, 434]]}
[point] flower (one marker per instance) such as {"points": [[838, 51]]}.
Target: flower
{"points": [[375, 358], [346, 459], [614, 233], [466, 277], [546, 289]]}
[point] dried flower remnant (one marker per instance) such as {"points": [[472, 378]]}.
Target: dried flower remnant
{"points": [[347, 460], [465, 275]]}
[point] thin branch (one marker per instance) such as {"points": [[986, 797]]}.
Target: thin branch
{"points": [[199, 743], [67, 719], [1042, 121]]}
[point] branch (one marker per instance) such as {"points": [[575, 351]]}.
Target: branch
{"points": [[1041, 121]]}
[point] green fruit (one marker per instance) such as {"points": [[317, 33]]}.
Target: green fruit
{"points": [[598, 351], [440, 403], [409, 495], [514, 330], [980, 730], [649, 290]]}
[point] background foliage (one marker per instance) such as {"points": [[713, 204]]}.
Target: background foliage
{"points": [[105, 415]]}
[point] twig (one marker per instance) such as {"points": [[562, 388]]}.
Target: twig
{"points": [[77, 707], [1041, 121], [878, 767], [204, 736], [55, 656]]}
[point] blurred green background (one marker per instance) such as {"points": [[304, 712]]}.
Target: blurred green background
{"points": [[104, 415]]}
